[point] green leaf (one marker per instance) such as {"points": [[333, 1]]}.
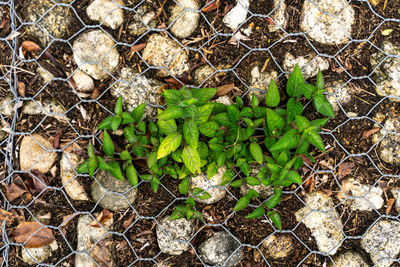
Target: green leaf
{"points": [[294, 177], [142, 127], [177, 214], [307, 89], [316, 140], [169, 144], [244, 166], [169, 113], [254, 101], [227, 177], [292, 86], [298, 162], [293, 108], [282, 158], [302, 123], [237, 183], [220, 159], [272, 97], [146, 177], [108, 146], [167, 127], [153, 128], [320, 81], [319, 122], [184, 186], [322, 105], [191, 159], [202, 149], [239, 101], [92, 165], [258, 212], [191, 133], [172, 97], [242, 203], [197, 215], [190, 201], [169, 170], [152, 160], [154, 184], [234, 113], [302, 148], [91, 151], [106, 123], [204, 95], [129, 133], [275, 218], [118, 106], [116, 170], [131, 175], [205, 112], [222, 119], [212, 169], [209, 129], [256, 152], [275, 199], [274, 121], [274, 168], [83, 168], [103, 165], [125, 155], [252, 181], [259, 112], [176, 155], [288, 141], [246, 112], [115, 122], [137, 113], [126, 118]]}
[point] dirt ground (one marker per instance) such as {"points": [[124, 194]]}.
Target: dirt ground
{"points": [[217, 51]]}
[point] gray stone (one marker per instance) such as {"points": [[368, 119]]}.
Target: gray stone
{"points": [[260, 80], [84, 83], [143, 20], [309, 65], [95, 46], [44, 74], [369, 197], [50, 108], [33, 154], [263, 191], [202, 73], [210, 185], [40, 254], [338, 94], [277, 247], [161, 51], [69, 163], [382, 240], [135, 89], [87, 236], [7, 105], [55, 22], [187, 21], [107, 12], [332, 27], [107, 185], [278, 16], [323, 221], [237, 15], [169, 232], [387, 75], [349, 259], [217, 249]]}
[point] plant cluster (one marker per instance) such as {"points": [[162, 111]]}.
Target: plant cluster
{"points": [[194, 135]]}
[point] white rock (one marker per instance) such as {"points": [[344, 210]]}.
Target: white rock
{"points": [[50, 108], [224, 100], [69, 163], [7, 106], [338, 94], [202, 73], [309, 65], [382, 240], [142, 21], [396, 194], [387, 75], [95, 46], [217, 250], [87, 237], [45, 74], [278, 16], [33, 155], [41, 254], [237, 14], [169, 232], [187, 23], [277, 247], [260, 80], [210, 185], [135, 89], [323, 221], [334, 26], [349, 259], [161, 51], [84, 82], [107, 12], [111, 188], [368, 200], [263, 191]]}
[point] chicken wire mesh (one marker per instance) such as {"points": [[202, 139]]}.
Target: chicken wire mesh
{"points": [[58, 27]]}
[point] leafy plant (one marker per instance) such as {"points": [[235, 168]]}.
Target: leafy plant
{"points": [[193, 136]]}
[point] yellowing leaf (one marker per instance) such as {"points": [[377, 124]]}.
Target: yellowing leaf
{"points": [[387, 32], [169, 145], [191, 159]]}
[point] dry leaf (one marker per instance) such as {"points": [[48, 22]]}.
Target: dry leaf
{"points": [[6, 216], [174, 83], [56, 140], [136, 48], [30, 46], [103, 217], [36, 182], [29, 232], [13, 192], [101, 254], [227, 8], [225, 89], [128, 221], [389, 205], [370, 132], [21, 89], [214, 5], [345, 168]]}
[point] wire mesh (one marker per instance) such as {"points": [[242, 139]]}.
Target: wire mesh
{"points": [[11, 111]]}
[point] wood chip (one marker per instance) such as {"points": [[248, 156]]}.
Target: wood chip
{"points": [[31, 46], [389, 205], [29, 232], [6, 216], [345, 168], [370, 132], [211, 6], [225, 89], [21, 89], [136, 48]]}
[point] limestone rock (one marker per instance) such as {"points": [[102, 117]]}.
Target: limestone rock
{"points": [[221, 249], [323, 221], [309, 65], [210, 185], [33, 155], [169, 231], [224, 100], [278, 16], [112, 190], [382, 240], [7, 105], [277, 247], [349, 259], [186, 23], [202, 73], [135, 89], [84, 82], [40, 254], [237, 15], [50, 108], [161, 51], [332, 27], [143, 20], [95, 46], [107, 12], [260, 80], [263, 191], [338, 94]]}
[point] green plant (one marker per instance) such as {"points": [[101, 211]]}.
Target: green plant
{"points": [[193, 135]]}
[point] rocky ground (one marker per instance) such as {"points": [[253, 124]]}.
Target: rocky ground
{"points": [[72, 60]]}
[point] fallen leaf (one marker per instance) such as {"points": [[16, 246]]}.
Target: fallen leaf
{"points": [[36, 182], [101, 254], [212, 6], [370, 132], [96, 93], [33, 234], [128, 221], [225, 89], [13, 192], [135, 48], [345, 168], [21, 89], [103, 217], [227, 8], [389, 205], [31, 46], [174, 83], [6, 216], [56, 140]]}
